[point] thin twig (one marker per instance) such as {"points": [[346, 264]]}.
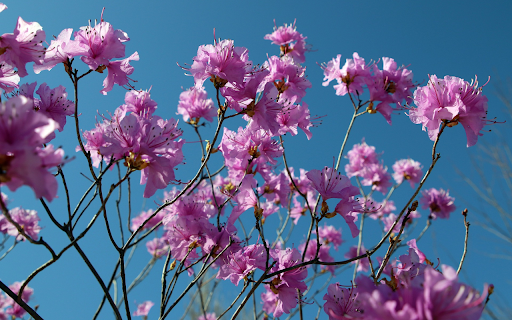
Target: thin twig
{"points": [[466, 224]]}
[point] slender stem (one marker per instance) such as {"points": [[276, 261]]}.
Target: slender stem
{"points": [[123, 284], [112, 279], [394, 241], [359, 244], [99, 280], [466, 224], [164, 280], [234, 301], [437, 140], [354, 116], [427, 225]]}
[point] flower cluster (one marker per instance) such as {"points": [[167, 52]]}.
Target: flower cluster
{"points": [[23, 159], [414, 290], [144, 141], [364, 163], [331, 184], [451, 101], [26, 219], [438, 201], [97, 47], [388, 87]]}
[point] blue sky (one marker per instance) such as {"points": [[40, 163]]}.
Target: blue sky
{"points": [[458, 38]]}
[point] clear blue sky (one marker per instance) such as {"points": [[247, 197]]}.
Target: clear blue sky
{"points": [[458, 38]]}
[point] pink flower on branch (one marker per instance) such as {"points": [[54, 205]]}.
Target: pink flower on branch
{"points": [[102, 44], [291, 42], [23, 46], [450, 101], [28, 221], [438, 201], [22, 159], [143, 309], [222, 62]]}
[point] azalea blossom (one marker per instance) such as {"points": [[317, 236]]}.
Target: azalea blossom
{"points": [[450, 100], [23, 46], [143, 309], [438, 201]]}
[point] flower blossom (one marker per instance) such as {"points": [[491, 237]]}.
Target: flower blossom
{"points": [[157, 247], [194, 105], [22, 159], [291, 42], [222, 63], [26, 219], [407, 169], [102, 44], [414, 290], [288, 78], [118, 72], [351, 77], [439, 202], [360, 157], [145, 141], [281, 295], [450, 100], [143, 308], [23, 46], [53, 103], [61, 50], [13, 308]]}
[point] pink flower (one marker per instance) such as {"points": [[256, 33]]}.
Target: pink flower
{"points": [[377, 176], [103, 44], [341, 303], [446, 298], [157, 247], [23, 46], [292, 43], [450, 100], [194, 104], [143, 308], [289, 79], [281, 295], [23, 161], [143, 216], [328, 234], [28, 221], [53, 103], [222, 62], [239, 265], [2, 7], [364, 264], [61, 50], [331, 184], [13, 308], [351, 77], [407, 169], [388, 87], [209, 316], [140, 102], [146, 142], [9, 77], [118, 72], [360, 157], [439, 202]]}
